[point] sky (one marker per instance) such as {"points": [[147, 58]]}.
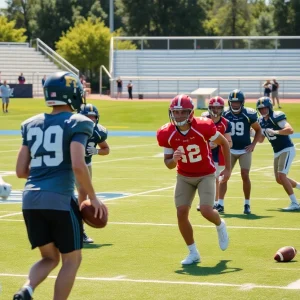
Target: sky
{"points": [[2, 4]]}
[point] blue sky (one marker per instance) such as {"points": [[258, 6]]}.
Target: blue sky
{"points": [[2, 3]]}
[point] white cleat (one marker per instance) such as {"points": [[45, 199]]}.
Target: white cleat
{"points": [[191, 259], [223, 235], [293, 206]]}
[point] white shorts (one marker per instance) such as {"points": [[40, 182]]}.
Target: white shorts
{"points": [[283, 160], [219, 169]]}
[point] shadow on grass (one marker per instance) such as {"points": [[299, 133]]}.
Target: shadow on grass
{"points": [[197, 270], [245, 217], [285, 211], [95, 246]]}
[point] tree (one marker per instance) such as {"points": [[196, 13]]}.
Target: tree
{"points": [[162, 17], [86, 46], [9, 33]]}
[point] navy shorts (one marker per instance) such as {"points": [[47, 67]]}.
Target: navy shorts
{"points": [[63, 228]]}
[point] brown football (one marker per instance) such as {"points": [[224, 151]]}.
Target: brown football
{"points": [[87, 212], [285, 254]]}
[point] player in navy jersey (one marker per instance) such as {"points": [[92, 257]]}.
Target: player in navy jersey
{"points": [[242, 120], [215, 111], [52, 152], [98, 138], [277, 130]]}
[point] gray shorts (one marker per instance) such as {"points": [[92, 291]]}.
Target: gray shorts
{"points": [[244, 160], [120, 90], [275, 94], [5, 100]]}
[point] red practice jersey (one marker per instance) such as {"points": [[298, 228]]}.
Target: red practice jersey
{"points": [[197, 160]]}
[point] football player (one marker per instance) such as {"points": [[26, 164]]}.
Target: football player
{"points": [[241, 119], [52, 152], [186, 146], [5, 189], [215, 110], [277, 130], [98, 138]]}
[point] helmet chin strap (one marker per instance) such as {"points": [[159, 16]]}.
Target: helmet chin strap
{"points": [[236, 110], [180, 123]]}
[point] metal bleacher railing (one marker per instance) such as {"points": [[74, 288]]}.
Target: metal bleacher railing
{"points": [[161, 85]]}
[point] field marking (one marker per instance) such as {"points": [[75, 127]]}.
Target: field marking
{"points": [[245, 286], [9, 215]]}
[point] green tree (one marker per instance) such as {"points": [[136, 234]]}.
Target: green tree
{"points": [[8, 32], [86, 46], [287, 17], [162, 17]]}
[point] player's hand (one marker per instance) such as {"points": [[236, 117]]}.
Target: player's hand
{"points": [[213, 145], [99, 208], [92, 150], [250, 147], [272, 132], [177, 155], [224, 175]]}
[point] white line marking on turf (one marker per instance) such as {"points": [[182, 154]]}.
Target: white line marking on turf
{"points": [[131, 146], [9, 215], [196, 283], [286, 269]]}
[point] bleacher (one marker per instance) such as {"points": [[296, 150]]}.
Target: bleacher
{"points": [[17, 58], [207, 68]]}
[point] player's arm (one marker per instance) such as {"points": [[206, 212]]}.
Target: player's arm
{"points": [[228, 138], [81, 172], [172, 157], [23, 162], [287, 129], [257, 136]]}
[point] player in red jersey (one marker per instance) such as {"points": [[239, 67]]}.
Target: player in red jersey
{"points": [[186, 146], [215, 110]]}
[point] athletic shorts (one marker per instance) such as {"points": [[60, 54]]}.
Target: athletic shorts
{"points": [[283, 162], [186, 187], [63, 228], [244, 159], [5, 100]]}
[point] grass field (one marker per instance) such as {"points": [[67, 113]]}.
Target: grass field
{"points": [[137, 256]]}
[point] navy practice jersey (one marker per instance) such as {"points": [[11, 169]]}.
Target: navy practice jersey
{"points": [[278, 142], [99, 136], [241, 124], [48, 138]]}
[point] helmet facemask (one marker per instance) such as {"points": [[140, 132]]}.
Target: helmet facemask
{"points": [[185, 114], [216, 110], [234, 110]]}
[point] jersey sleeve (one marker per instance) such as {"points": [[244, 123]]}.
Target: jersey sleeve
{"points": [[211, 130], [252, 115], [24, 135], [278, 116], [102, 133], [228, 127], [81, 124], [162, 137]]}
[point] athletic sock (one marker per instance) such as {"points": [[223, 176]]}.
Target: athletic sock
{"points": [[221, 202], [247, 201], [293, 199]]}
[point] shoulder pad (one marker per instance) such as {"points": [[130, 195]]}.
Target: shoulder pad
{"points": [[163, 134], [205, 114], [250, 111], [101, 128], [278, 116], [81, 124], [36, 117]]}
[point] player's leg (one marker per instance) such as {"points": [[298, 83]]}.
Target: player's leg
{"points": [[7, 102], [206, 192], [245, 164], [183, 195], [217, 206], [282, 164], [3, 105], [39, 235], [223, 185], [69, 242]]}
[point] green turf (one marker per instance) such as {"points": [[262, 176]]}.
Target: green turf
{"points": [[137, 256]]}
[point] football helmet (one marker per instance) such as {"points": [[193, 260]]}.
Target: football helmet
{"points": [[181, 103], [216, 102], [263, 102], [236, 96], [63, 88], [90, 110], [5, 189]]}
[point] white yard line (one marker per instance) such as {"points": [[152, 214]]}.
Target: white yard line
{"points": [[9, 215], [245, 286]]}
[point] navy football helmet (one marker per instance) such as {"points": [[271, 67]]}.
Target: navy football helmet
{"points": [[90, 110], [236, 96], [262, 103], [63, 88]]}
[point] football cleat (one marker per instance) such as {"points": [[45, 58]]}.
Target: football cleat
{"points": [[86, 239], [219, 208], [191, 259], [22, 294], [293, 206], [198, 207], [247, 210], [223, 235]]}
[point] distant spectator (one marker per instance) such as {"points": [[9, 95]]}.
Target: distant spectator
{"points": [[5, 92], [43, 80], [0, 78], [120, 87], [21, 79], [268, 88], [129, 88], [275, 87], [82, 80]]}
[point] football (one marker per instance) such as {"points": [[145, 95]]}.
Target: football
{"points": [[285, 254], [87, 212]]}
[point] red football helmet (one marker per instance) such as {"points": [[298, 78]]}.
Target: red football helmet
{"points": [[181, 110], [216, 102]]}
